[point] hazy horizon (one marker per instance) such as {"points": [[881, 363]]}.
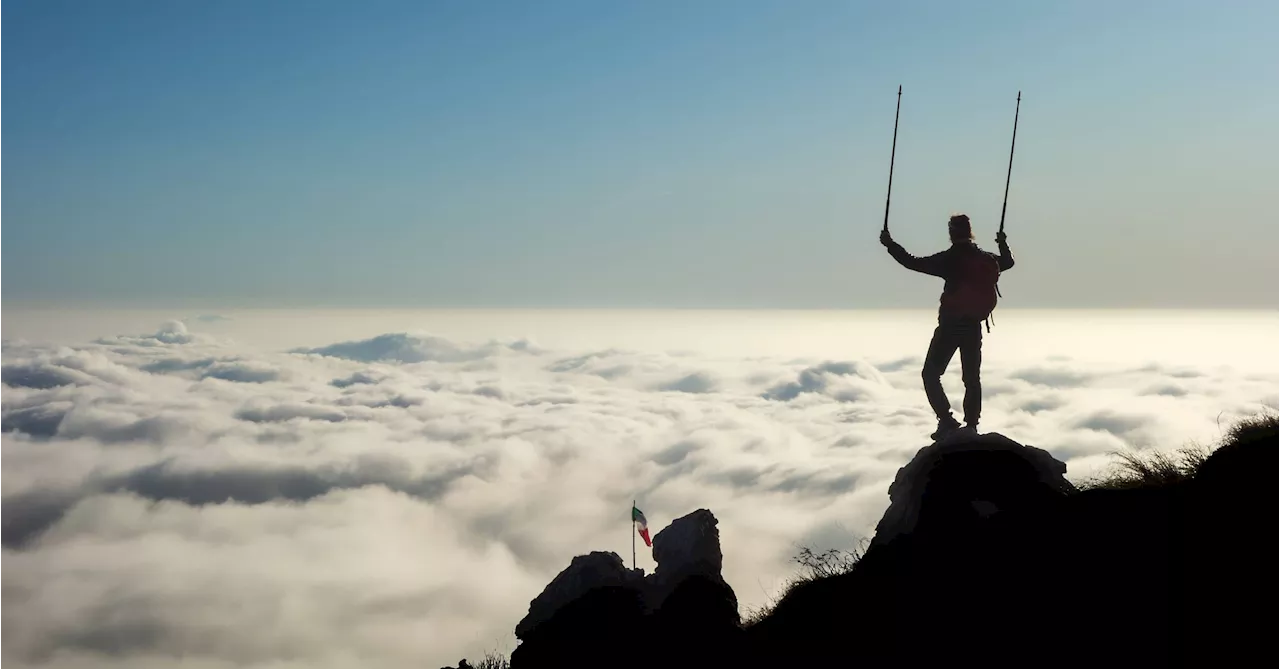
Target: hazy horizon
{"points": [[1032, 333]]}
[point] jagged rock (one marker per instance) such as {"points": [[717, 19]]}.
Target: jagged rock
{"points": [[689, 546], [596, 606], [690, 543], [696, 610], [987, 556], [974, 478], [597, 569]]}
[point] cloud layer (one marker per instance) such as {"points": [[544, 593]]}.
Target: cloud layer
{"points": [[398, 500]]}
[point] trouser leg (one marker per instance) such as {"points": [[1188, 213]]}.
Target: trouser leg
{"points": [[970, 342], [941, 349]]}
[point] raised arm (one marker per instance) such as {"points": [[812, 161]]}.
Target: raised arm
{"points": [[933, 265], [1006, 257]]}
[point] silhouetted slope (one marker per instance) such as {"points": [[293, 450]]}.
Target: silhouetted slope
{"points": [[986, 555]]}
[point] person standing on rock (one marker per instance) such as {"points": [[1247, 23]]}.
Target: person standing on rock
{"points": [[968, 297]]}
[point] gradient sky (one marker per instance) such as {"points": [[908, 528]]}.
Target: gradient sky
{"points": [[708, 154]]}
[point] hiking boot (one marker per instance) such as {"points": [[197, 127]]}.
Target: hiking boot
{"points": [[946, 426]]}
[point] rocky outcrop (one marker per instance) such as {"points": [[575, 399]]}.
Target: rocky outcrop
{"points": [[948, 482], [595, 611], [689, 546], [695, 610], [585, 573], [1039, 574], [986, 555]]}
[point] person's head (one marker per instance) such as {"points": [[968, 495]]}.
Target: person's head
{"points": [[959, 230]]}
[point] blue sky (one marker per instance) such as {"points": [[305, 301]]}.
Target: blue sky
{"points": [[649, 154]]}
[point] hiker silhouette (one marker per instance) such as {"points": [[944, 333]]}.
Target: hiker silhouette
{"points": [[968, 297]]}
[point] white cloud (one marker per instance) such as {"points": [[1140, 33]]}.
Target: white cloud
{"points": [[398, 500], [401, 347]]}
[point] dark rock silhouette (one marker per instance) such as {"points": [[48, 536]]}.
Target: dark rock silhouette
{"points": [[986, 555], [982, 475], [1225, 550], [597, 612], [586, 573], [602, 627], [698, 625], [689, 546]]}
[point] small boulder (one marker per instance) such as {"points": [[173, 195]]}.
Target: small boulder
{"points": [[689, 546], [949, 483]]}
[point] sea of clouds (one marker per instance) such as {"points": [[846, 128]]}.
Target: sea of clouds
{"points": [[396, 500]]}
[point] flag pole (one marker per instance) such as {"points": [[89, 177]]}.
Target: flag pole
{"points": [[633, 535]]}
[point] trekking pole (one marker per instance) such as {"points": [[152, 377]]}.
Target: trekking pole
{"points": [[892, 153], [1010, 174]]}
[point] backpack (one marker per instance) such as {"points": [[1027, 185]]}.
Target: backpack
{"points": [[975, 293]]}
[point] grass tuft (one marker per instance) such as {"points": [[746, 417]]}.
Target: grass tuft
{"points": [[493, 660], [1155, 468], [1255, 427], [815, 567]]}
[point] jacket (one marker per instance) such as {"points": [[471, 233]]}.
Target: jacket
{"points": [[943, 265]]}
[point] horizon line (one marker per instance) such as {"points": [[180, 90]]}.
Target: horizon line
{"points": [[67, 306]]}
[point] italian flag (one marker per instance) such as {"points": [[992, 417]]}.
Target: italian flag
{"points": [[642, 525]]}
